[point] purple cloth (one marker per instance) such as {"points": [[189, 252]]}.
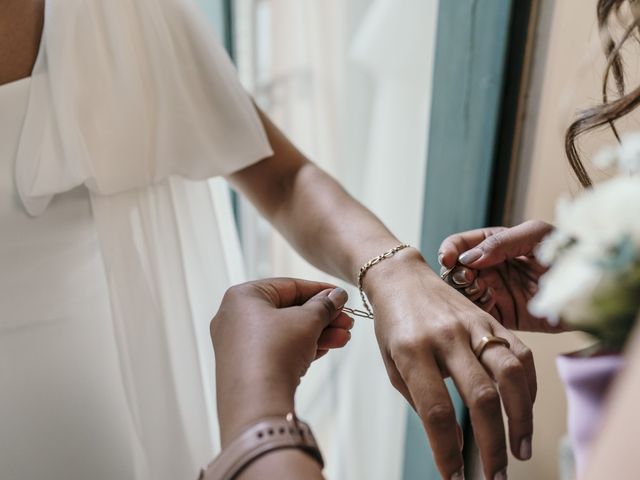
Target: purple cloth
{"points": [[586, 381]]}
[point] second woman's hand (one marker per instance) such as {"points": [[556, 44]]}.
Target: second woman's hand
{"points": [[499, 271], [265, 335]]}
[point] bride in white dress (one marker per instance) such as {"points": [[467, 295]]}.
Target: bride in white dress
{"points": [[115, 247], [105, 366]]}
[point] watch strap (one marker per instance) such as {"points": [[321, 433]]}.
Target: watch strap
{"points": [[264, 436]]}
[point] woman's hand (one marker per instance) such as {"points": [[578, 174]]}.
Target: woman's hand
{"points": [[499, 271], [265, 336], [427, 331]]}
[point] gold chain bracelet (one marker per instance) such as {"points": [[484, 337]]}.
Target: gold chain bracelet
{"points": [[363, 271]]}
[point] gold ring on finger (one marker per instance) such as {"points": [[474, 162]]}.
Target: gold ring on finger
{"points": [[488, 340]]}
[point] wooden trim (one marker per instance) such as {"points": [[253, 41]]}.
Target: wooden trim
{"points": [[509, 141]]}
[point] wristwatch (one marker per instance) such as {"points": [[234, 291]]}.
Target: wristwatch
{"points": [[264, 436]]}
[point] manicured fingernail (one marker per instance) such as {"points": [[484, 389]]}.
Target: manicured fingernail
{"points": [[441, 259], [460, 276], [338, 297], [487, 296], [459, 475], [473, 289], [471, 256], [501, 475], [525, 448]]}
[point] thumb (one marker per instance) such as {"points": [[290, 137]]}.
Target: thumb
{"points": [[506, 244], [325, 306]]}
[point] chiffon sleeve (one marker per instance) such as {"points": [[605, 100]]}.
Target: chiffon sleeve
{"points": [[126, 93]]}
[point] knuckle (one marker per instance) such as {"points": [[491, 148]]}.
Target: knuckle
{"points": [[525, 354], [512, 369], [446, 336], [486, 399], [409, 344], [324, 306], [237, 291], [213, 324], [232, 292], [396, 381], [439, 416], [494, 242], [447, 333], [537, 225]]}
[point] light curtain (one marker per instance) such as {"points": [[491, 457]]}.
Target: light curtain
{"points": [[350, 84]]}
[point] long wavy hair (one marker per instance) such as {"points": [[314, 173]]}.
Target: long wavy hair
{"points": [[609, 110]]}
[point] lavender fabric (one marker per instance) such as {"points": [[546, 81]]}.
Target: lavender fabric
{"points": [[586, 381]]}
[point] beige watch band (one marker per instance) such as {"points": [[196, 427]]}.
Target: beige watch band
{"points": [[264, 436]]}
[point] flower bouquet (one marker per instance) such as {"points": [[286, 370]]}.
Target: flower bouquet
{"points": [[593, 284]]}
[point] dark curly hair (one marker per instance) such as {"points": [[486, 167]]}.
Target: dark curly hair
{"points": [[610, 110]]}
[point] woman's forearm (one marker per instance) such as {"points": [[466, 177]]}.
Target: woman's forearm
{"points": [[328, 227], [318, 217]]}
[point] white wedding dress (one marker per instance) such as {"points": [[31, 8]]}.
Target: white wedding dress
{"points": [[62, 406], [111, 261]]}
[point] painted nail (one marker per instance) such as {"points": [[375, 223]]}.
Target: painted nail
{"points": [[471, 256], [525, 448], [459, 475], [473, 289], [487, 296], [460, 277], [501, 475], [338, 297]]}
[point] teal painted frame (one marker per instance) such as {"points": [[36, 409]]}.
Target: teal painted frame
{"points": [[470, 60], [218, 13]]}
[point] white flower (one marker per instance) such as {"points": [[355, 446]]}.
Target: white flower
{"points": [[606, 158], [566, 289], [552, 247], [589, 229], [594, 254], [602, 216], [629, 154], [626, 156]]}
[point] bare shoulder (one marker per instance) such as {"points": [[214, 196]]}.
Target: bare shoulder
{"points": [[21, 23]]}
